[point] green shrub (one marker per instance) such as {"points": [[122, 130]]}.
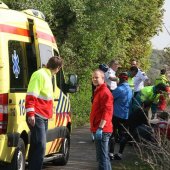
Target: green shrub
{"points": [[81, 104]]}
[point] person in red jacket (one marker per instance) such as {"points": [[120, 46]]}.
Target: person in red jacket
{"points": [[39, 108], [101, 119]]}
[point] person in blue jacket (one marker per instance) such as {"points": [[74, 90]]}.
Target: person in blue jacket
{"points": [[122, 103]]}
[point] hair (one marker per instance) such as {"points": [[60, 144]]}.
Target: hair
{"points": [[54, 62], [163, 71], [134, 69], [133, 60], [161, 87], [112, 62], [123, 76], [100, 71]]}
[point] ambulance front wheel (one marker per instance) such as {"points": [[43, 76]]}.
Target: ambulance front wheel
{"points": [[18, 162]]}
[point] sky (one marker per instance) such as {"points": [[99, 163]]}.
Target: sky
{"points": [[163, 39]]}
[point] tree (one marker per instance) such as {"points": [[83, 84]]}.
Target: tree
{"points": [[92, 32]]}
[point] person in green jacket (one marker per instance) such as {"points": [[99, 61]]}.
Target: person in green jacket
{"points": [[162, 78], [131, 74], [149, 94]]}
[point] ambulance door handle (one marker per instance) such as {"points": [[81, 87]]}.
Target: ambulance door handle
{"points": [[56, 100], [10, 100]]}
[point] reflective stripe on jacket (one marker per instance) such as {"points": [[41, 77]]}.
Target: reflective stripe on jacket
{"points": [[131, 82], [161, 79], [39, 98]]}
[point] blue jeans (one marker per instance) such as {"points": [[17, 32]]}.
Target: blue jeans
{"points": [[102, 152], [37, 143]]}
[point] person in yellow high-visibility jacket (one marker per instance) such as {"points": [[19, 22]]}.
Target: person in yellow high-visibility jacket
{"points": [[149, 94], [131, 74], [162, 78], [39, 106]]}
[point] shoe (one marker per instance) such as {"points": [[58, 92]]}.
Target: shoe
{"points": [[117, 157]]}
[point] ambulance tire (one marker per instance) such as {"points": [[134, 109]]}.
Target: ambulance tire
{"points": [[18, 162], [65, 150]]}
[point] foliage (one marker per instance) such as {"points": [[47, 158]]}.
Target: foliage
{"points": [[81, 104], [159, 59], [102, 30], [92, 32]]}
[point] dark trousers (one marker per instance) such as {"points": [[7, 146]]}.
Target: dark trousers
{"points": [[37, 143], [120, 126]]}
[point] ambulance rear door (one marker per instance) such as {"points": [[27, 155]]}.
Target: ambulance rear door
{"points": [[22, 63]]}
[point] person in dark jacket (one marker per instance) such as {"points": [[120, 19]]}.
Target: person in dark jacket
{"points": [[101, 119], [122, 103]]}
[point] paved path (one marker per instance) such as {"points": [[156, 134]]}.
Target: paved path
{"points": [[83, 155], [82, 152]]}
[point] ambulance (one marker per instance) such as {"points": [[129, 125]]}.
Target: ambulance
{"points": [[26, 44]]}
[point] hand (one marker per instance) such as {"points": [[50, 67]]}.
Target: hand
{"points": [[31, 120], [98, 134]]}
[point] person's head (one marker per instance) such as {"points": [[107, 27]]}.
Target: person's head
{"points": [[161, 87], [54, 64], [133, 71], [123, 77], [134, 63], [98, 77], [114, 65], [163, 71]]}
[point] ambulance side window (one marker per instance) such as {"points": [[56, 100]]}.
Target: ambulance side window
{"points": [[45, 53], [17, 65], [23, 63]]}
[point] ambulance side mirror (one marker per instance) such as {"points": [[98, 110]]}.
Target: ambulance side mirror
{"points": [[72, 83]]}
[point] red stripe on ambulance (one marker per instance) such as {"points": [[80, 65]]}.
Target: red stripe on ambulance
{"points": [[24, 32], [45, 36], [14, 30]]}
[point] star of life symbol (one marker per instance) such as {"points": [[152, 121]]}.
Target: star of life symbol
{"points": [[16, 68]]}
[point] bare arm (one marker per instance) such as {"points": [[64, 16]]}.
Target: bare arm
{"points": [[102, 123], [114, 79], [147, 82]]}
